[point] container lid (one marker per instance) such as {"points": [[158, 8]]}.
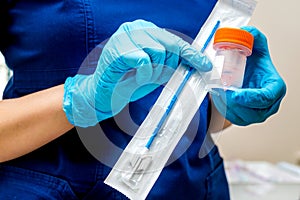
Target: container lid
{"points": [[234, 35]]}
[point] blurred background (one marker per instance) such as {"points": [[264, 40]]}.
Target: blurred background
{"points": [[260, 154], [278, 139], [262, 161]]}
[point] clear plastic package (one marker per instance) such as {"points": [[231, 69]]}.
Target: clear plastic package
{"points": [[148, 152]]}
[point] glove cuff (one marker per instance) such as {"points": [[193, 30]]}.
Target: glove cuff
{"points": [[67, 99], [80, 110]]}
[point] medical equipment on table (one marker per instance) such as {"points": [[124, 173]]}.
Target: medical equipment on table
{"points": [[143, 159]]}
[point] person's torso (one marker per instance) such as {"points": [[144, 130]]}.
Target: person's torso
{"points": [[47, 41], [44, 42]]}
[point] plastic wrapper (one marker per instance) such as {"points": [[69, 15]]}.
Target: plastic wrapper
{"points": [[145, 156]]}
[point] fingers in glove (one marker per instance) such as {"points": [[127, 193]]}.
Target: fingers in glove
{"points": [[260, 97]]}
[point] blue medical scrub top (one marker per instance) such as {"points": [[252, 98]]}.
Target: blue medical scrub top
{"points": [[44, 42]]}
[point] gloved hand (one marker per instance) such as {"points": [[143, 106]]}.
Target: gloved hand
{"points": [[137, 59], [262, 91]]}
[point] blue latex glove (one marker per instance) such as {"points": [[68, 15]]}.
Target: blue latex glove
{"points": [[262, 91], [137, 59]]}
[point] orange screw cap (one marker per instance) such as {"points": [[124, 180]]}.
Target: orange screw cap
{"points": [[234, 35]]}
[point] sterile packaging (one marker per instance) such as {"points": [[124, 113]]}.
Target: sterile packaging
{"points": [[148, 152]]}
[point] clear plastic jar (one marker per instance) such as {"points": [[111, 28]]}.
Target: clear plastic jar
{"points": [[232, 47]]}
